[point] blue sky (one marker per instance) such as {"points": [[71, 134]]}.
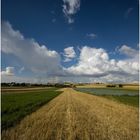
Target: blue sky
{"points": [[71, 28]]}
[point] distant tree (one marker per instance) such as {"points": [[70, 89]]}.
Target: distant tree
{"points": [[110, 85], [120, 85]]}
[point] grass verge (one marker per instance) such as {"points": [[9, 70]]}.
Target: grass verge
{"points": [[15, 106]]}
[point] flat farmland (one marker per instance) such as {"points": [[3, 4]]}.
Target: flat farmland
{"points": [[122, 95], [125, 86], [17, 103], [22, 89], [78, 116]]}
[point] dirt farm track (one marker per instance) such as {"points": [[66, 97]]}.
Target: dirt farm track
{"points": [[78, 116]]}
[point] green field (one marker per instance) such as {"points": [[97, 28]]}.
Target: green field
{"points": [[129, 100], [16, 105], [129, 97]]}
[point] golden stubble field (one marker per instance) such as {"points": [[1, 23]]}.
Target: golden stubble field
{"points": [[78, 116], [125, 86]]}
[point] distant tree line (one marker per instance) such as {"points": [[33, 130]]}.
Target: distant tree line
{"points": [[118, 85], [58, 85]]}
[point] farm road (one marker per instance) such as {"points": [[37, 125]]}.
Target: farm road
{"points": [[78, 116]]}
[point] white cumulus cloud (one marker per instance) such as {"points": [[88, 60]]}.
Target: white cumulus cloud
{"points": [[37, 58], [128, 51], [95, 62], [70, 7], [9, 71], [69, 54], [91, 62]]}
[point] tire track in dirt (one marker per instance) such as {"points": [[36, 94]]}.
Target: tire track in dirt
{"points": [[78, 116]]}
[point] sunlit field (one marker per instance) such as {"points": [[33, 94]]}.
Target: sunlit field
{"points": [[126, 96], [71, 115], [70, 69], [17, 103]]}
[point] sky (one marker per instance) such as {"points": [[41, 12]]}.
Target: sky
{"points": [[70, 41]]}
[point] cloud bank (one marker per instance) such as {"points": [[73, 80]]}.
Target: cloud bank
{"points": [[37, 58], [94, 64]]}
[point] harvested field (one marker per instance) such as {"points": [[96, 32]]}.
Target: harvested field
{"points": [[76, 116], [129, 86], [15, 106]]}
